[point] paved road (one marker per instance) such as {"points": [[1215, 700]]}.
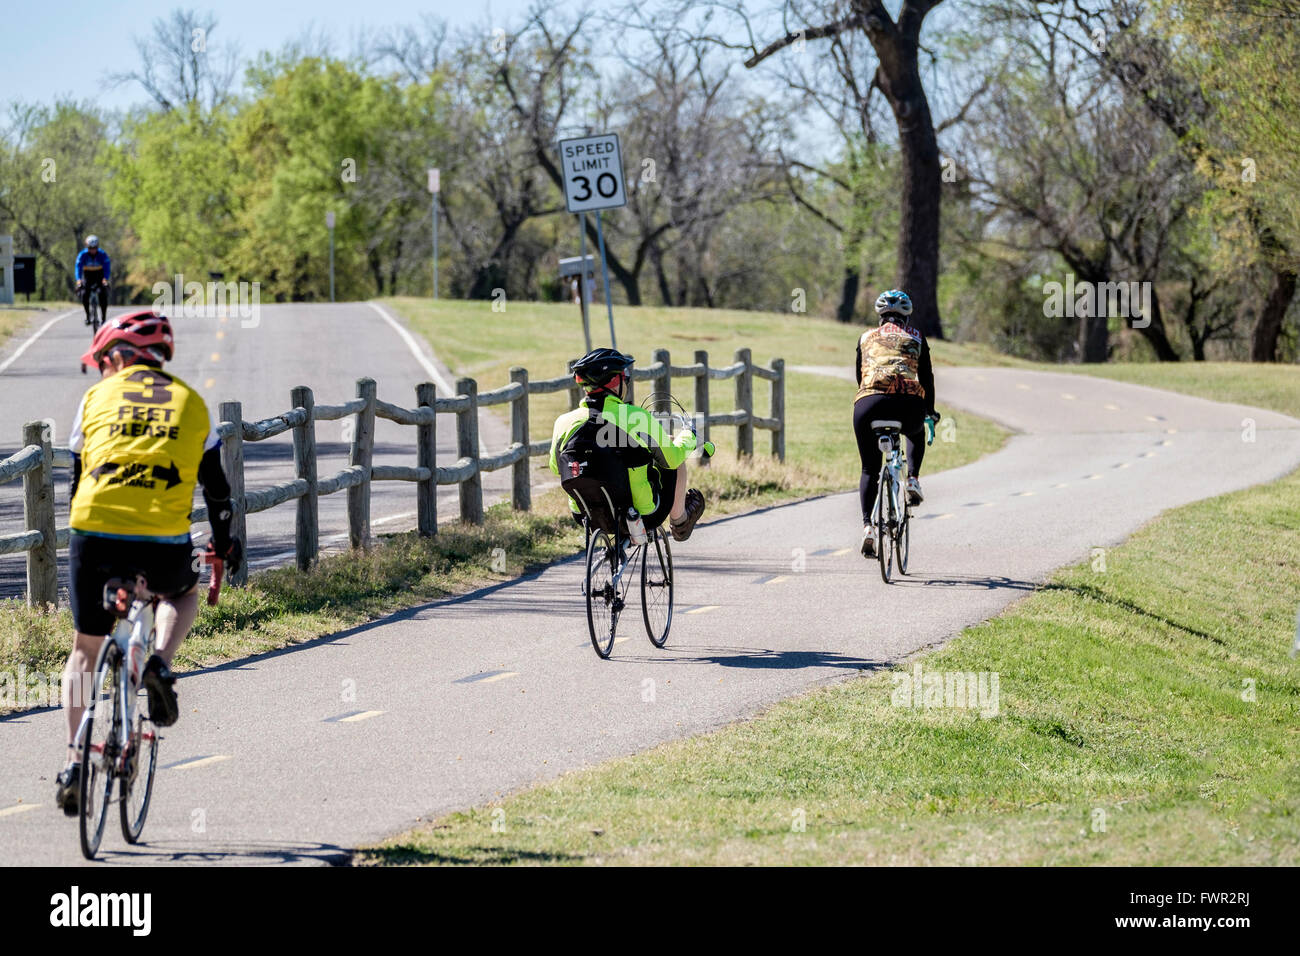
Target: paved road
{"points": [[327, 347], [298, 755]]}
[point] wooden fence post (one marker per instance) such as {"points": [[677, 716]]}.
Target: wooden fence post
{"points": [[745, 403], [521, 496], [702, 402], [232, 462], [663, 383], [471, 490], [363, 452], [575, 390], [426, 442], [307, 534], [778, 408], [38, 515]]}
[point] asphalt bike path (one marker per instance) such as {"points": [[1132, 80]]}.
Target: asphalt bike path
{"points": [[298, 755]]}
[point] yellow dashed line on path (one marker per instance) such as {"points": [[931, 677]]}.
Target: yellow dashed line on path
{"points": [[1092, 477], [941, 517], [1110, 408], [486, 680], [20, 808], [1147, 454], [1062, 485], [701, 610], [841, 552], [221, 333], [1067, 396], [1022, 494], [1171, 431], [1023, 388], [1122, 464], [209, 382], [367, 714], [1152, 418], [778, 579], [216, 357], [1166, 442]]}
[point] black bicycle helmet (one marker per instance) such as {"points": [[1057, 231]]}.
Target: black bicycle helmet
{"points": [[597, 367]]}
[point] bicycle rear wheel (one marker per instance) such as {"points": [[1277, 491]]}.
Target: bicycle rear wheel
{"points": [[657, 588], [603, 601], [137, 784], [99, 748], [884, 525], [903, 542]]}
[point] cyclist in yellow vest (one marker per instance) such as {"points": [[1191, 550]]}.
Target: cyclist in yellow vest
{"points": [[141, 440]]}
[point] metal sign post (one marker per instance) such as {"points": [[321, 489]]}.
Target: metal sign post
{"points": [[435, 184], [604, 271], [582, 277], [329, 224], [592, 171]]}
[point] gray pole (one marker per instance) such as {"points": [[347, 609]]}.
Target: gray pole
{"points": [[435, 245], [582, 277], [604, 271], [331, 263]]}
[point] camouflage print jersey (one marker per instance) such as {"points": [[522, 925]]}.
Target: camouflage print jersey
{"points": [[894, 360]]}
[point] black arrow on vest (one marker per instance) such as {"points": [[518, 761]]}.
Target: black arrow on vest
{"points": [[171, 475], [107, 468]]}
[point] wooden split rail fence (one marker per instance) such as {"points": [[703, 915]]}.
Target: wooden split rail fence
{"points": [[36, 461]]}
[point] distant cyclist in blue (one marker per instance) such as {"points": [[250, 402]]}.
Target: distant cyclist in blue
{"points": [[96, 260]]}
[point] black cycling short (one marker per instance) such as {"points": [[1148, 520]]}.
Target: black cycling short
{"points": [[168, 569]]}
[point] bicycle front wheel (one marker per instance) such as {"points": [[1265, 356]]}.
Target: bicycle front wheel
{"points": [[137, 784], [603, 600], [657, 588], [99, 748]]}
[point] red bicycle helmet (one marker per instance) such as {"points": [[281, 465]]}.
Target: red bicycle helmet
{"points": [[140, 330]]}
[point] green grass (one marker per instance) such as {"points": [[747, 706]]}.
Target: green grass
{"points": [[1276, 387], [13, 319], [1123, 736]]}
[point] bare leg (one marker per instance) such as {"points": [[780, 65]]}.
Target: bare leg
{"points": [[174, 620], [679, 495], [76, 682]]}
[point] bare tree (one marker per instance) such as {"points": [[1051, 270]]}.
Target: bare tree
{"points": [[180, 67], [896, 42]]}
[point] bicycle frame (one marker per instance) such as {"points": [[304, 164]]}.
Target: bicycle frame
{"points": [[139, 620], [892, 469]]}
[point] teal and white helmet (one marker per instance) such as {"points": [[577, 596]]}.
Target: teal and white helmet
{"points": [[894, 301]]}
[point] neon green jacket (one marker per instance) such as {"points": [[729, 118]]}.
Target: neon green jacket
{"points": [[632, 429]]}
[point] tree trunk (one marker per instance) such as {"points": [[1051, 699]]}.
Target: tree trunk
{"points": [[1268, 327], [918, 232], [1094, 338], [1154, 332], [848, 294]]}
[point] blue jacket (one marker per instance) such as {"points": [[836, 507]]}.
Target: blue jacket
{"points": [[97, 258]]}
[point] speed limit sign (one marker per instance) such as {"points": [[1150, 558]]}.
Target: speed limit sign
{"points": [[592, 167]]}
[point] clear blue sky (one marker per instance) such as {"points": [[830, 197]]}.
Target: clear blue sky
{"points": [[47, 53]]}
